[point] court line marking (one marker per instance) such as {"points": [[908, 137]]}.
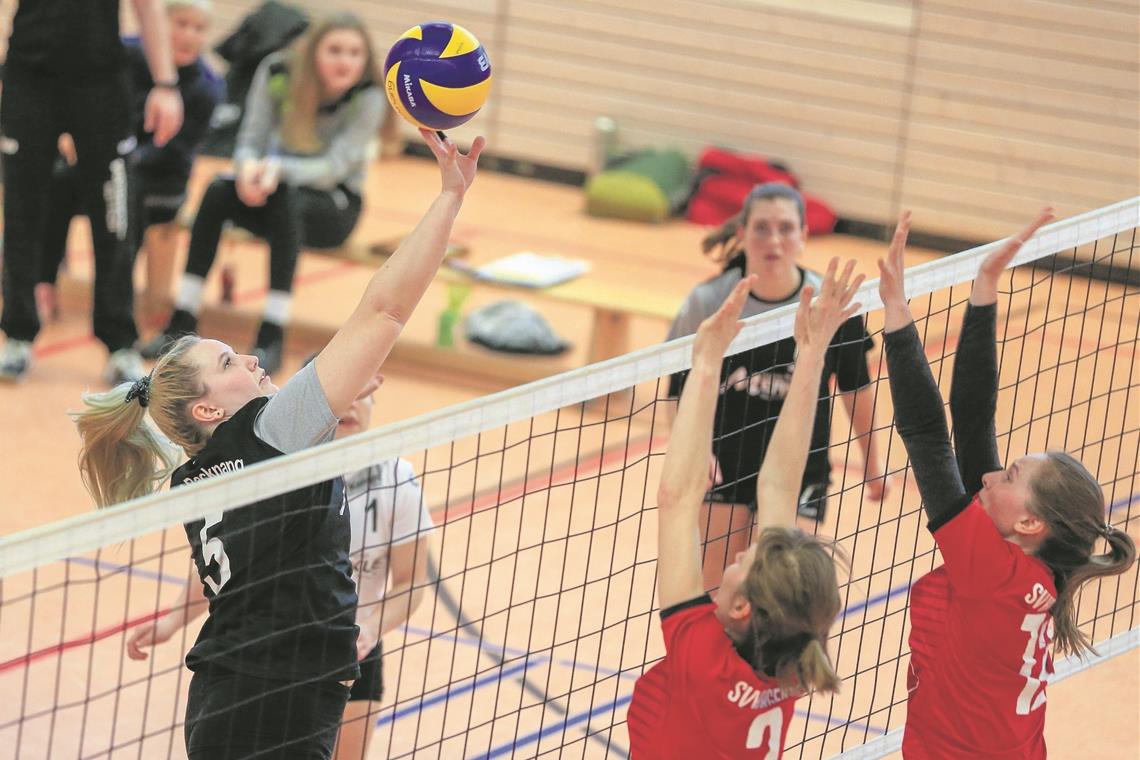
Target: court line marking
{"points": [[26, 659], [418, 704], [1066, 669]]}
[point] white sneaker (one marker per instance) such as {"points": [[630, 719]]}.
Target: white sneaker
{"points": [[124, 366], [15, 359]]}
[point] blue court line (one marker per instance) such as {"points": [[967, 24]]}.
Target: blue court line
{"points": [[117, 568], [577, 718], [1122, 502], [449, 691], [609, 707], [471, 641], [567, 722]]}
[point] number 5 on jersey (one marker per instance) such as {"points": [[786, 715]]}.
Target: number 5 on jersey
{"points": [[214, 550]]}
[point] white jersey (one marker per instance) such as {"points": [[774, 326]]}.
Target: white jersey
{"points": [[387, 509]]}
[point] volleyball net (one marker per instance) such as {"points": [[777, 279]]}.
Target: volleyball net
{"points": [[538, 609]]}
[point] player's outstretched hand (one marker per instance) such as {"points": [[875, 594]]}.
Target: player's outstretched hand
{"points": [[985, 284], [457, 171], [816, 322], [718, 330], [891, 270]]}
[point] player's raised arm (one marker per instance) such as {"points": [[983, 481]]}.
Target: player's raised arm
{"points": [[778, 484], [685, 471], [362, 344]]}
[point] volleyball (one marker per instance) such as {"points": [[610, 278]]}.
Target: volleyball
{"points": [[437, 75]]}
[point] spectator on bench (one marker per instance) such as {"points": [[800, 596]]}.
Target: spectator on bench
{"points": [[300, 164]]}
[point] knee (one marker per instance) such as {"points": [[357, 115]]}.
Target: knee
{"points": [[218, 192]]}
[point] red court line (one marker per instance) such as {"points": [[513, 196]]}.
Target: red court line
{"points": [[560, 476], [244, 296], [91, 638]]}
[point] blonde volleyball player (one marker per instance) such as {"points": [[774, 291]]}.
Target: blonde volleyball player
{"points": [[275, 658], [734, 667], [390, 528], [1017, 542]]}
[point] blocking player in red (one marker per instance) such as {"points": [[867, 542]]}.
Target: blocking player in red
{"points": [[734, 667], [1017, 542]]}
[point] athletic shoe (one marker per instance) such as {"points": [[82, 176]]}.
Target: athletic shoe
{"points": [[813, 502], [124, 366], [15, 359], [181, 323], [270, 346]]}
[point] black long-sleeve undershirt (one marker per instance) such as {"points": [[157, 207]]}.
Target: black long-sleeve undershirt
{"points": [[945, 481]]}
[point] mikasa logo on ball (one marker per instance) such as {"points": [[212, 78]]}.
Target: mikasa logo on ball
{"points": [[408, 91]]}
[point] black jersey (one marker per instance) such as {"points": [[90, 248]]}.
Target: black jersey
{"points": [[75, 39], [276, 573], [754, 384]]}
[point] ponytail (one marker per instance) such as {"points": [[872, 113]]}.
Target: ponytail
{"points": [[815, 669], [721, 244], [793, 589], [1069, 500], [122, 457], [1121, 554]]}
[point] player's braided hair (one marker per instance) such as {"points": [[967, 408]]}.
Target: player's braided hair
{"points": [[1071, 503], [793, 588]]}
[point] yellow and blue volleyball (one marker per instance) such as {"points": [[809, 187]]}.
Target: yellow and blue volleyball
{"points": [[437, 75]]}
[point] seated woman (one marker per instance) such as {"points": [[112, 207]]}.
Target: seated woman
{"points": [[1016, 542], [300, 160], [734, 667]]}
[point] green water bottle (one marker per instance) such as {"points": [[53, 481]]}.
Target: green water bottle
{"points": [[449, 317]]}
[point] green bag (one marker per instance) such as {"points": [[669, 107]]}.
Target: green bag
{"points": [[646, 187]]}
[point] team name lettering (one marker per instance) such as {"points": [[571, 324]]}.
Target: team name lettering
{"points": [[230, 465], [1039, 599], [744, 696]]}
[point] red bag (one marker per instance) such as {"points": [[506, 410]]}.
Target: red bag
{"points": [[732, 176]]}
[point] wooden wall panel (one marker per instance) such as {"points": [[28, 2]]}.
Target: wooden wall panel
{"points": [[972, 113]]}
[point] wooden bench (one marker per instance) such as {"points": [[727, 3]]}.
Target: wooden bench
{"points": [[610, 305]]}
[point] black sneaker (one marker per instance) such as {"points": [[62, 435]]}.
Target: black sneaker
{"points": [[181, 323], [270, 346], [813, 502]]}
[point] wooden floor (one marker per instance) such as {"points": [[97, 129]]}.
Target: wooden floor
{"points": [[591, 535]]}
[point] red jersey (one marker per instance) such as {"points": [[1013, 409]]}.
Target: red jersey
{"points": [[980, 642], [704, 700]]}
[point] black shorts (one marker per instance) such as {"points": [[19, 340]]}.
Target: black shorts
{"points": [[160, 198], [370, 685], [812, 502], [161, 209], [231, 716]]}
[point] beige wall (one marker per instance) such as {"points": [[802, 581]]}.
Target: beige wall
{"points": [[972, 113]]}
